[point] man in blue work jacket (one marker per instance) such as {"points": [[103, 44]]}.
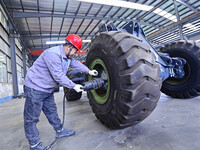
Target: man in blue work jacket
{"points": [[47, 73]]}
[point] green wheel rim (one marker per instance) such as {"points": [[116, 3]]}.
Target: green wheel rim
{"points": [[100, 95]]}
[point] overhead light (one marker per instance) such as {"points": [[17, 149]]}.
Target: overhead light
{"points": [[55, 42], [165, 14], [133, 5], [62, 42], [86, 41], [191, 27], [120, 3]]}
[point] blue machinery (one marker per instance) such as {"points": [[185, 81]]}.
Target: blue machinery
{"points": [[169, 67]]}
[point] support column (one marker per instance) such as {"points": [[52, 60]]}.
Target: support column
{"points": [[30, 60], [24, 63], [178, 19], [13, 61]]}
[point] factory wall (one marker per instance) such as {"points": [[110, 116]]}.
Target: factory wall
{"points": [[6, 85]]}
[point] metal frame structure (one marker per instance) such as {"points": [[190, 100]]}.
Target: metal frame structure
{"points": [[44, 20], [13, 61]]}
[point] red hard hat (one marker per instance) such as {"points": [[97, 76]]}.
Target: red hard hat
{"points": [[75, 40]]}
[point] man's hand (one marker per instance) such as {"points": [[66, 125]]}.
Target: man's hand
{"points": [[78, 88], [93, 73]]}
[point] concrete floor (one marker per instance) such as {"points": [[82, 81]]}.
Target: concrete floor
{"points": [[174, 125]]}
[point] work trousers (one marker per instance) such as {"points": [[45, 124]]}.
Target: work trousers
{"points": [[35, 102]]}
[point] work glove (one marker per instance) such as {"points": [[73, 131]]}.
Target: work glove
{"points": [[93, 73], [78, 88]]}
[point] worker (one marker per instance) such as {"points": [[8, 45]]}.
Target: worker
{"points": [[47, 73]]}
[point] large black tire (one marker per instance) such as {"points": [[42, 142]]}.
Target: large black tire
{"points": [[189, 85], [134, 79], [71, 94]]}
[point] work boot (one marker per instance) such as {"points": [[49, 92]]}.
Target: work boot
{"points": [[38, 146], [64, 133]]}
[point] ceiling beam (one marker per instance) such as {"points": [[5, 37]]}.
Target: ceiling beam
{"points": [[36, 47], [3, 5], [26, 38], [187, 5], [154, 8], [24, 33], [43, 47], [36, 15], [19, 8], [183, 21], [194, 36], [178, 19]]}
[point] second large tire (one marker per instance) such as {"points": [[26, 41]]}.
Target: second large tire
{"points": [[133, 79], [189, 85], [71, 94]]}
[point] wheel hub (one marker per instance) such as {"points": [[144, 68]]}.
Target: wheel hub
{"points": [[100, 95]]}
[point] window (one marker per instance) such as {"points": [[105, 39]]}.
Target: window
{"points": [[3, 20], [17, 43], [3, 70], [19, 74]]}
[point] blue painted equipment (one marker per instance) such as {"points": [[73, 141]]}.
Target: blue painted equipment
{"points": [[169, 67]]}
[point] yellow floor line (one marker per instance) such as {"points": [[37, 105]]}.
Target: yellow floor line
{"points": [[18, 122], [11, 106]]}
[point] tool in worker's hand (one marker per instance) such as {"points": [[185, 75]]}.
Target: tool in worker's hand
{"points": [[93, 84]]}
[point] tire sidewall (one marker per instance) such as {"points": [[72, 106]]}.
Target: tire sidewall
{"points": [[134, 79], [113, 75]]}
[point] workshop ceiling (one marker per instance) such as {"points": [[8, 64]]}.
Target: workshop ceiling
{"points": [[39, 21]]}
